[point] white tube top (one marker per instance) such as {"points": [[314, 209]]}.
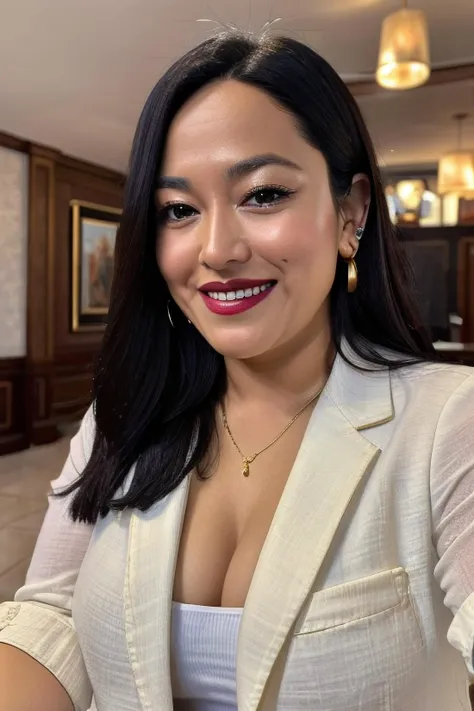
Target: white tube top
{"points": [[203, 657]]}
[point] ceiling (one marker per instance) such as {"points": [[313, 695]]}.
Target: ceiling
{"points": [[75, 74]]}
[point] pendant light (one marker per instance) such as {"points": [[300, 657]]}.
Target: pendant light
{"points": [[404, 55], [456, 169]]}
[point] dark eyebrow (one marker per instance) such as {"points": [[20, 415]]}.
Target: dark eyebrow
{"points": [[249, 165], [239, 170], [166, 182]]}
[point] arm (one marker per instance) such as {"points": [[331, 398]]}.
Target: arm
{"points": [[27, 685], [40, 657], [452, 500]]}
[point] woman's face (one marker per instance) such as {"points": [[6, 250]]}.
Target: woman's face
{"points": [[249, 233]]}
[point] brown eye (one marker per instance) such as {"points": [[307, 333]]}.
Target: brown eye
{"points": [[266, 197], [177, 212]]}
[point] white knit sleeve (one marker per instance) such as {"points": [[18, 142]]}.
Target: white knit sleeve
{"points": [[39, 620], [452, 501]]}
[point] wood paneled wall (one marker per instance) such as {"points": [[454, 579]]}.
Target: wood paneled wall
{"points": [[466, 287], [13, 420], [53, 383], [460, 243]]}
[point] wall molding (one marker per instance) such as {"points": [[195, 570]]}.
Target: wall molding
{"points": [[41, 258], [22, 145], [14, 143], [6, 405], [13, 420]]}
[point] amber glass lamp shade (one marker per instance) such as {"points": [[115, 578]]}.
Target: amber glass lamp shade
{"points": [[456, 174], [404, 55]]}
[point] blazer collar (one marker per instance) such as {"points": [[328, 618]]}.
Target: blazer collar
{"points": [[333, 459], [364, 396]]}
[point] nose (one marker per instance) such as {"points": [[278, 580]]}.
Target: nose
{"points": [[222, 239]]}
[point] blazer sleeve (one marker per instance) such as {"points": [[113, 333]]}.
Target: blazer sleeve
{"points": [[452, 502], [39, 620]]}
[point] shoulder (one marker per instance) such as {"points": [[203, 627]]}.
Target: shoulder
{"points": [[434, 381], [83, 442], [436, 400], [80, 450], [421, 389]]}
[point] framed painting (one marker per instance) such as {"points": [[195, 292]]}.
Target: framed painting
{"points": [[93, 234]]}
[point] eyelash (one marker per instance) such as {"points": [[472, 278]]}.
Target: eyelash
{"points": [[283, 194]]}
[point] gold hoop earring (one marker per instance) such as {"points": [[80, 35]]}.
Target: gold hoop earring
{"points": [[352, 276]]}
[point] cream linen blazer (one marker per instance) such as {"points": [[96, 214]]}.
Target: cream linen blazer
{"points": [[363, 596]]}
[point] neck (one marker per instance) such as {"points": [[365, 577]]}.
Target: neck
{"points": [[290, 375]]}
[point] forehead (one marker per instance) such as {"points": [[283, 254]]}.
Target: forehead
{"points": [[227, 121]]}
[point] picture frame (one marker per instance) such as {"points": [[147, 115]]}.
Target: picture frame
{"points": [[93, 233]]}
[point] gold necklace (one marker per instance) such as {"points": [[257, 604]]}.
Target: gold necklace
{"points": [[247, 461]]}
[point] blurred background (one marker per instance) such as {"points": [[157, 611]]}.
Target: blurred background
{"points": [[73, 79]]}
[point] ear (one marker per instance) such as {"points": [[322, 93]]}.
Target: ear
{"points": [[354, 209]]}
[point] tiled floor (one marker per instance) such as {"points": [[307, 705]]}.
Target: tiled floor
{"points": [[24, 484]]}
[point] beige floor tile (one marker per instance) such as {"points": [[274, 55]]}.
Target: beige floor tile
{"points": [[13, 508], [29, 470], [32, 522], [16, 544], [49, 459], [30, 482], [12, 580], [29, 488], [25, 479]]}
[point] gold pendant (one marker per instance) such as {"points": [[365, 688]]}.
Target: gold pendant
{"points": [[247, 461]]}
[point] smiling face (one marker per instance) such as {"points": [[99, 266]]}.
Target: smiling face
{"points": [[249, 232]]}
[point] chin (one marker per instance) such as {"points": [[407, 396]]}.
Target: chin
{"points": [[239, 348]]}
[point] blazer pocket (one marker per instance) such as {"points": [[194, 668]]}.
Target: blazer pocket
{"points": [[356, 600]]}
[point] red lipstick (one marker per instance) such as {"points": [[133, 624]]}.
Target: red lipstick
{"points": [[233, 284], [244, 295]]}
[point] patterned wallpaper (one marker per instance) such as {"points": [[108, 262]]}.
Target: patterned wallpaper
{"points": [[13, 252]]}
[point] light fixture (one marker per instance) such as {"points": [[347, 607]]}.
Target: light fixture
{"points": [[410, 193], [410, 196], [404, 55], [456, 169]]}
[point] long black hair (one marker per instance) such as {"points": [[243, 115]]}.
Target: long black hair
{"points": [[156, 388]]}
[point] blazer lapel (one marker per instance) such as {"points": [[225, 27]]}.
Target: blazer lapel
{"points": [[330, 465], [153, 550]]}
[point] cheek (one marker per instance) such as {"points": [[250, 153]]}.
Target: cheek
{"points": [[174, 259], [301, 239]]}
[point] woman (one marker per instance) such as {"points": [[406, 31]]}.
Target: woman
{"points": [[274, 466]]}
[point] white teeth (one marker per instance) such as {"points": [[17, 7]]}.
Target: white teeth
{"points": [[239, 294]]}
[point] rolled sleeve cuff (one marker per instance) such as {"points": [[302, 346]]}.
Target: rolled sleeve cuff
{"points": [[461, 633], [51, 640]]}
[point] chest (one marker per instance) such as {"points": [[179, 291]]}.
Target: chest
{"points": [[227, 520]]}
